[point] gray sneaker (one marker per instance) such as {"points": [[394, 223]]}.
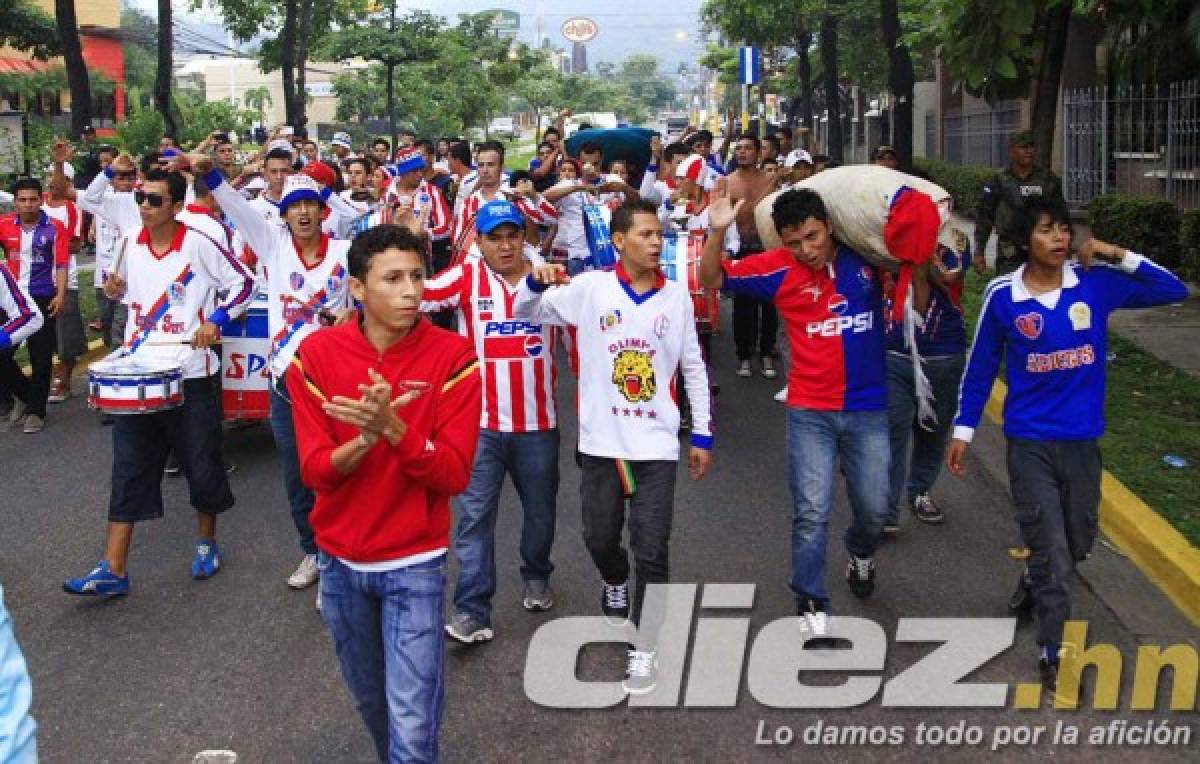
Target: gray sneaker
{"points": [[34, 424], [538, 596], [468, 629], [17, 414]]}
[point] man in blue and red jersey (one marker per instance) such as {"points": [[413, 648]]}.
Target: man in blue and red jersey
{"points": [[36, 252], [831, 303]]}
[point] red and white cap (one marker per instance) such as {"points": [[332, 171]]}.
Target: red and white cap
{"points": [[691, 167]]}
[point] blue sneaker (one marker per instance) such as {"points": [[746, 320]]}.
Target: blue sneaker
{"points": [[101, 582], [207, 561]]}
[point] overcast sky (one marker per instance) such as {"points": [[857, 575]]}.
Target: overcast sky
{"points": [[669, 30]]}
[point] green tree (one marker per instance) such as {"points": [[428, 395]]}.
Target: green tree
{"points": [[138, 46], [26, 27], [541, 87], [256, 101], [297, 28], [1003, 49], [773, 23], [393, 42]]}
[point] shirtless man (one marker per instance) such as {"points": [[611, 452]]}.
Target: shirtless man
{"points": [[755, 323]]}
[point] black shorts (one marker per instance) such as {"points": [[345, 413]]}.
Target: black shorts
{"points": [[141, 443]]}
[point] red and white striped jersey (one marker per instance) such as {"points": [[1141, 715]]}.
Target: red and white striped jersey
{"points": [[536, 210], [519, 374], [464, 217]]}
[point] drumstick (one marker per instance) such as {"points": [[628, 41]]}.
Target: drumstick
{"points": [[120, 257], [172, 343]]}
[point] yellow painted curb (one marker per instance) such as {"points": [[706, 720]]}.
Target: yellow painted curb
{"points": [[1156, 548], [95, 349]]}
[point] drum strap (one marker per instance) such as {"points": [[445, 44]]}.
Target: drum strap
{"points": [[158, 310]]}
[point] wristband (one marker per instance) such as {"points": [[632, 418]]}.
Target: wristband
{"points": [[219, 317]]}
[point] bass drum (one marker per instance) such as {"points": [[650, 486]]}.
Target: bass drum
{"points": [[680, 261]]}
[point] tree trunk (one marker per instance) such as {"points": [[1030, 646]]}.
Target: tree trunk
{"points": [[803, 104], [303, 37], [162, 78], [1045, 93], [77, 73], [287, 60], [391, 101], [833, 101], [900, 80]]}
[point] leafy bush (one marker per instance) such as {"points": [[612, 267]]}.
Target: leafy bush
{"points": [[965, 184], [1145, 224], [141, 131], [1190, 267], [200, 118]]}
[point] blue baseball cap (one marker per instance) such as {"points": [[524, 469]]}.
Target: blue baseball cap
{"points": [[496, 213]]}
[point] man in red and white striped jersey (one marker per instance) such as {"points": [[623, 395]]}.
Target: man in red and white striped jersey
{"points": [[519, 428], [490, 177], [410, 189]]}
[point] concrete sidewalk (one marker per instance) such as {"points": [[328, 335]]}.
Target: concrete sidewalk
{"points": [[1170, 333]]}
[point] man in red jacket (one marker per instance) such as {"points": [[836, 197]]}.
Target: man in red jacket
{"points": [[386, 411]]}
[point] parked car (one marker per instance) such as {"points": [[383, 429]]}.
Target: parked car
{"points": [[503, 127]]}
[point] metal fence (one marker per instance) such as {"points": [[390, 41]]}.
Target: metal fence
{"points": [[1134, 140], [980, 137]]}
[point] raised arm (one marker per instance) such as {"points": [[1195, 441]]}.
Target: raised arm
{"points": [[262, 236]]}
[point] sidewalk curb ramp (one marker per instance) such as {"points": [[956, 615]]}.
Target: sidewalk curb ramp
{"points": [[1149, 541]]}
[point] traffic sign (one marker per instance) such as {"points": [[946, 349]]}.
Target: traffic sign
{"points": [[749, 65]]}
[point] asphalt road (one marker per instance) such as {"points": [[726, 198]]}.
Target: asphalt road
{"points": [[242, 663]]}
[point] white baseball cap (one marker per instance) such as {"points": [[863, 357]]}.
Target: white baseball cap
{"points": [[341, 139], [795, 157]]}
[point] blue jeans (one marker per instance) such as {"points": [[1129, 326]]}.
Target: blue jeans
{"points": [[300, 498], [387, 633], [860, 438], [532, 460], [928, 446]]}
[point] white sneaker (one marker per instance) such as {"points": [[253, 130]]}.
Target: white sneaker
{"points": [[744, 370], [641, 671], [768, 367], [306, 573], [781, 396]]}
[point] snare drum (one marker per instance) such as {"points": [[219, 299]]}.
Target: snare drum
{"points": [[680, 261], [129, 385]]}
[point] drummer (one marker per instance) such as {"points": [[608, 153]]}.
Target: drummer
{"points": [[305, 273], [169, 276]]}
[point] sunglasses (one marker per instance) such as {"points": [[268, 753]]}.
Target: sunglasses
{"points": [[125, 175], [154, 200]]}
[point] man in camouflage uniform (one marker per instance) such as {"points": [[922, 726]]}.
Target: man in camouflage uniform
{"points": [[1003, 197]]}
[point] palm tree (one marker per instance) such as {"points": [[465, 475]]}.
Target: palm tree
{"points": [[257, 100]]}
